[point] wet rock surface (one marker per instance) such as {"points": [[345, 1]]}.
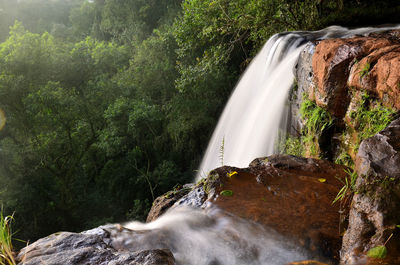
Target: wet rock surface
{"points": [[289, 194], [375, 211], [304, 86], [97, 246], [164, 202]]}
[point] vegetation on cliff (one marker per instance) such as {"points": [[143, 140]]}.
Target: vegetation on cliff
{"points": [[109, 104]]}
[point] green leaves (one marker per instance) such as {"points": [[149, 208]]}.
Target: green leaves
{"points": [[227, 193], [378, 252]]}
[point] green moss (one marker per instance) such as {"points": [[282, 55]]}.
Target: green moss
{"points": [[317, 121], [344, 159], [208, 183], [370, 118], [292, 146], [365, 70], [316, 118]]}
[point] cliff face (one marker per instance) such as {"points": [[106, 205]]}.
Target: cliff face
{"points": [[357, 81]]}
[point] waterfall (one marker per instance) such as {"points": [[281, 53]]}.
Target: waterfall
{"points": [[248, 128], [257, 110]]}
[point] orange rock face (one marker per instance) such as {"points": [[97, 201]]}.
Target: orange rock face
{"points": [[289, 194], [379, 72], [366, 63]]}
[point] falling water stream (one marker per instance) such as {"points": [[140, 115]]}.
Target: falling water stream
{"points": [[248, 128]]}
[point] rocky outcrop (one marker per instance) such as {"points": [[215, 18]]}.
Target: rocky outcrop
{"points": [[352, 78], [275, 192], [304, 86], [165, 202], [280, 189], [366, 63], [379, 73], [97, 246], [375, 211]]}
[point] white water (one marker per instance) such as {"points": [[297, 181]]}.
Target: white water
{"points": [[257, 111], [198, 237]]}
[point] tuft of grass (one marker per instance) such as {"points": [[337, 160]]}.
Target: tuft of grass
{"points": [[6, 247], [349, 186], [317, 119]]}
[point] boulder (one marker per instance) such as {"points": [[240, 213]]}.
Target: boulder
{"points": [[165, 201], [280, 189], [97, 246], [375, 211], [289, 194]]}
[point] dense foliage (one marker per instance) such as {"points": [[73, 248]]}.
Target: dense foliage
{"points": [[109, 103]]}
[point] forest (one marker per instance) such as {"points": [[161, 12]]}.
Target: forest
{"points": [[107, 104]]}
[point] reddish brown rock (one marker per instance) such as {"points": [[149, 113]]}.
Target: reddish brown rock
{"points": [[290, 194], [379, 72], [166, 201], [335, 59]]}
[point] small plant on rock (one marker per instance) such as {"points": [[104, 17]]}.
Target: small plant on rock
{"points": [[370, 118], [292, 146], [222, 151], [380, 252], [365, 70], [317, 121], [349, 186], [6, 247]]}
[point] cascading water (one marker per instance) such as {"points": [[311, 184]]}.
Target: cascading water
{"points": [[210, 237], [256, 112]]}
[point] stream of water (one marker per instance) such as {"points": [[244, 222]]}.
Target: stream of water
{"points": [[209, 237]]}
